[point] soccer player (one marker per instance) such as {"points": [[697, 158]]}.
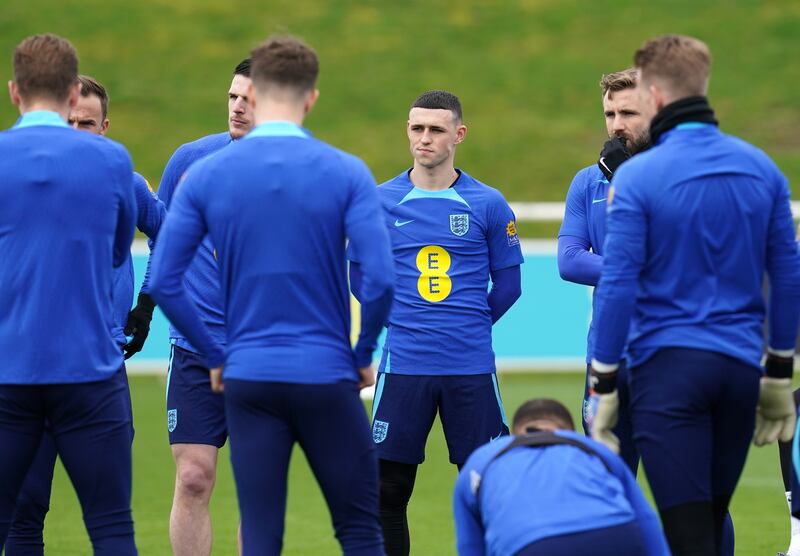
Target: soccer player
{"points": [[196, 414], [580, 240], [25, 535], [449, 233], [278, 207], [66, 222], [693, 224], [536, 493]]}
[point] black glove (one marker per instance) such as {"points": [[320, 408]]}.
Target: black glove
{"points": [[139, 324], [613, 154]]}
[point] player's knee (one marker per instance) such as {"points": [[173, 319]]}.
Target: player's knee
{"points": [[396, 485], [195, 479]]}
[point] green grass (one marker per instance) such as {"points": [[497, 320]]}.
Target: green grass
{"points": [[526, 71], [759, 509]]}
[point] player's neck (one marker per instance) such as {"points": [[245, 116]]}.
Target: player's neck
{"points": [[433, 179], [274, 112], [61, 109]]}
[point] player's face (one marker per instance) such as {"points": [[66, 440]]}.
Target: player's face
{"points": [[240, 114], [628, 115], [87, 115], [433, 135]]}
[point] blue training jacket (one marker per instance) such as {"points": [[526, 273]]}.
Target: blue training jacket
{"points": [[693, 225], [278, 206], [66, 220], [529, 494]]}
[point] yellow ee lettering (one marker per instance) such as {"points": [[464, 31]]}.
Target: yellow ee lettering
{"points": [[434, 284]]}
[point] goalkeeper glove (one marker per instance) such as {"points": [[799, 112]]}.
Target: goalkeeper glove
{"points": [[604, 386], [776, 413], [139, 324], [614, 153]]}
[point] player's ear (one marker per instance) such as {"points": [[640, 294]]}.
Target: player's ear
{"points": [[13, 92], [74, 94], [104, 127], [311, 100], [251, 95], [461, 133]]}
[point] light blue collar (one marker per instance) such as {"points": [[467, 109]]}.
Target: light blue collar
{"points": [[693, 125], [40, 117], [278, 128]]}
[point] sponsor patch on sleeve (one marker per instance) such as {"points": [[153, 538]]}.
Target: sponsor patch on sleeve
{"points": [[511, 233]]}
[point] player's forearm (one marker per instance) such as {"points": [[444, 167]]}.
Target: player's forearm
{"points": [[613, 310], [356, 278], [126, 222], [576, 263], [374, 315], [506, 289]]}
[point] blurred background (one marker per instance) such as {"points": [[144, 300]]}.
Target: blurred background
{"points": [[526, 72]]}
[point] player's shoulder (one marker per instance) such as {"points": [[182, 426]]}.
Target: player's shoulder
{"points": [[482, 455], [478, 194], [587, 176], [749, 153], [399, 185], [199, 148]]}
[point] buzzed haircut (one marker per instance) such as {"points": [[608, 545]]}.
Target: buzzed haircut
{"points": [[243, 67], [682, 62], [440, 100], [544, 409], [286, 62], [91, 86], [45, 66], [611, 83]]}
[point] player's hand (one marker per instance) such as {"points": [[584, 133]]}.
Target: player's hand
{"points": [[138, 324], [614, 153], [776, 413], [216, 380], [366, 377], [605, 419]]}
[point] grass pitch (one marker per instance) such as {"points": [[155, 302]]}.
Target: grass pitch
{"points": [[759, 508]]}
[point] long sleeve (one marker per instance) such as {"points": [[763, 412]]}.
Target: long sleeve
{"points": [[365, 228], [576, 263], [126, 218], [506, 289], [151, 214], [178, 241], [356, 278], [469, 530]]}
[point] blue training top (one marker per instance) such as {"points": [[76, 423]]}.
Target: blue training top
{"points": [[66, 220], [583, 230], [278, 206], [445, 245], [150, 214], [532, 493], [202, 277], [693, 225]]}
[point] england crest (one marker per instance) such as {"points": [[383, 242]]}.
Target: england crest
{"points": [[459, 224], [379, 431], [172, 419]]}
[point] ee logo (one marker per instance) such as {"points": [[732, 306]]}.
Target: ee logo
{"points": [[434, 284]]}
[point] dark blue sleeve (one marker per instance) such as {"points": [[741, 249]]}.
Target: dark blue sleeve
{"points": [[126, 216], [783, 269], [151, 214], [624, 257], [356, 277], [506, 289], [576, 263], [172, 175], [365, 228], [181, 234], [653, 537]]}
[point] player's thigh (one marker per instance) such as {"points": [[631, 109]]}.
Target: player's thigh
{"points": [[21, 427], [403, 411], [671, 405], [734, 422], [472, 413], [195, 413], [34, 498]]}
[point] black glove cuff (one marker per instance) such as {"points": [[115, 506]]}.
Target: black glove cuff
{"points": [[603, 383], [779, 367], [146, 303]]}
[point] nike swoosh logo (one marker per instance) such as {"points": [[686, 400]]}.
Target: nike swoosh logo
{"points": [[602, 161], [397, 223], [595, 201], [492, 439]]}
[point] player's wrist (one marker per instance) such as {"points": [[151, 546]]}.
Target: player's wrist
{"points": [[603, 377], [145, 303], [779, 364]]}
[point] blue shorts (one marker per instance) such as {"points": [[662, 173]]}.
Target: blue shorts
{"points": [[195, 414], [405, 406]]}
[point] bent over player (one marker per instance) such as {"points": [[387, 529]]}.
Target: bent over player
{"points": [[67, 220], [278, 207], [692, 226], [450, 233]]}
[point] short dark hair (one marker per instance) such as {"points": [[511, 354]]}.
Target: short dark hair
{"points": [[544, 409], [45, 66], [440, 100], [285, 61], [91, 86], [683, 62], [243, 67]]}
